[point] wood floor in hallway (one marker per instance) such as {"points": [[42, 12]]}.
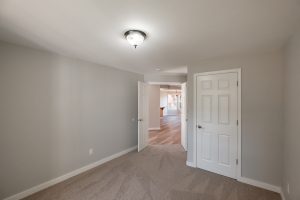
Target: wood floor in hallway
{"points": [[169, 132]]}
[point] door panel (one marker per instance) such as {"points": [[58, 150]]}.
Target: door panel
{"points": [[216, 117], [206, 108], [206, 146], [143, 110], [223, 114], [224, 146], [206, 84]]}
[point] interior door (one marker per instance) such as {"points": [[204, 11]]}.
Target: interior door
{"points": [[183, 117], [143, 108], [217, 128]]}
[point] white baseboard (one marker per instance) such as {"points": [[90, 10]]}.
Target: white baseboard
{"points": [[190, 164], [154, 129], [249, 181], [282, 194], [52, 182], [260, 184]]}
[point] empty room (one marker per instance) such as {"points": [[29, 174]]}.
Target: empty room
{"points": [[149, 100]]}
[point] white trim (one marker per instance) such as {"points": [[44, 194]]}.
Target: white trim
{"points": [[52, 182], [260, 184], [239, 72], [154, 129], [282, 194], [190, 164], [239, 167], [252, 182], [195, 122]]}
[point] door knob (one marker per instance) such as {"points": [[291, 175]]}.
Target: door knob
{"points": [[199, 126]]}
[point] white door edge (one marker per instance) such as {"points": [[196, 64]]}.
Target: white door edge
{"points": [[183, 130], [143, 107]]}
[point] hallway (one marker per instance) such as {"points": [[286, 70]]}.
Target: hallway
{"points": [[169, 132]]}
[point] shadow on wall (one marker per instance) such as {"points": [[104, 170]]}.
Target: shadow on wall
{"points": [[54, 109]]}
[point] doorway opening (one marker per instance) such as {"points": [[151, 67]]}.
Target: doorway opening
{"points": [[167, 114], [162, 114], [170, 104]]}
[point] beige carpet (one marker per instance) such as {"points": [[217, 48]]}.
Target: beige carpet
{"points": [[158, 172]]}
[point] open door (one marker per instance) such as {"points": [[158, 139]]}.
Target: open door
{"points": [[183, 117], [143, 113]]}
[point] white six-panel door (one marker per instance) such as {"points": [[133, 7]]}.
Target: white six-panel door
{"points": [[216, 123]]}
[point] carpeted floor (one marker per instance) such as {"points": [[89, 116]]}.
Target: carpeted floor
{"points": [[158, 172]]}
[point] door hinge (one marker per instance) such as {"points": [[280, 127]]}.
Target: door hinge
{"points": [[237, 122], [237, 83], [237, 161]]}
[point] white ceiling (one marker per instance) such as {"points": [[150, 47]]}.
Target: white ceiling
{"points": [[177, 70], [179, 31]]}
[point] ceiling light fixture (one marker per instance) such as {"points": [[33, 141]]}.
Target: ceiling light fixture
{"points": [[135, 37]]}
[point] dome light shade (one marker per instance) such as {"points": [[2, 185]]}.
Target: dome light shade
{"points": [[135, 37]]}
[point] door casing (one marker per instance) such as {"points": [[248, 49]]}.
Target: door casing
{"points": [[184, 117]]}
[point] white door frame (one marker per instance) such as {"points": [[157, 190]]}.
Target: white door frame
{"points": [[238, 71], [184, 118], [175, 83]]}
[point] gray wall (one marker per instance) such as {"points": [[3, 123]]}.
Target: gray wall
{"points": [[154, 106], [291, 161], [53, 109], [262, 107], [165, 78]]}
